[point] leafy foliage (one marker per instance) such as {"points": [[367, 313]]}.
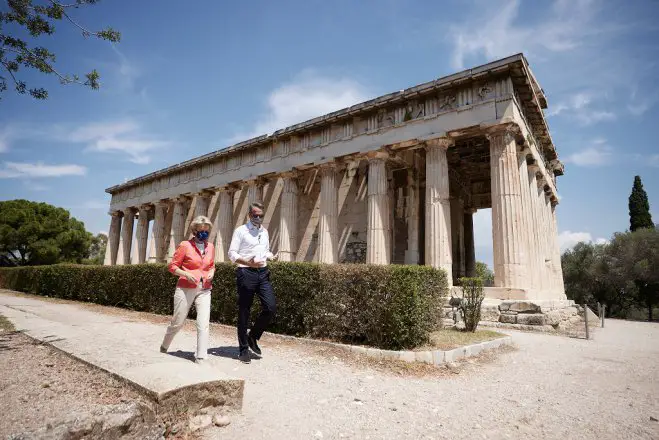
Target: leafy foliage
{"points": [[470, 306], [97, 249], [33, 233], [639, 207], [483, 272], [621, 274], [390, 307], [38, 18]]}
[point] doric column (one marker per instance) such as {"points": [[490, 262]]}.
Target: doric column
{"points": [[254, 191], [545, 259], [457, 237], [127, 234], [224, 225], [549, 236], [526, 223], [378, 229], [469, 247], [413, 224], [538, 265], [142, 233], [507, 231], [114, 236], [438, 207], [203, 200], [288, 218], [178, 221], [160, 232], [560, 284], [327, 222]]}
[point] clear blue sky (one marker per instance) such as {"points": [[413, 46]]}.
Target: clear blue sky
{"points": [[192, 77]]}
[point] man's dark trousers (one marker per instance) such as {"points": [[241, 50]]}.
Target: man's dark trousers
{"points": [[250, 282]]}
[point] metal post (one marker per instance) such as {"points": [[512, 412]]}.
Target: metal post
{"points": [[603, 314], [585, 316]]}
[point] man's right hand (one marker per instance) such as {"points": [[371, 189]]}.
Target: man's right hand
{"points": [[254, 264]]}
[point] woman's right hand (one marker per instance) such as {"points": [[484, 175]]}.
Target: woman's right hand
{"points": [[188, 276]]}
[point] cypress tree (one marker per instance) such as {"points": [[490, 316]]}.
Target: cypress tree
{"points": [[639, 207]]}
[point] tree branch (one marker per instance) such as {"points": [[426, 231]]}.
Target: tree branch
{"points": [[63, 78], [16, 82], [85, 32]]}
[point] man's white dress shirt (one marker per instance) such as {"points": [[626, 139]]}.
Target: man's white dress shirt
{"points": [[250, 241]]}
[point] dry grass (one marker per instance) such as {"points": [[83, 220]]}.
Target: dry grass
{"points": [[6, 325], [450, 338]]}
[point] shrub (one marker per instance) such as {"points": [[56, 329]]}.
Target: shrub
{"points": [[472, 298], [391, 307]]}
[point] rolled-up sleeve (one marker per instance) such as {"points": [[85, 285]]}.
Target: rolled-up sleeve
{"points": [[234, 247], [177, 259], [268, 254]]}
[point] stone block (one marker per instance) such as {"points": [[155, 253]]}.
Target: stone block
{"points": [[407, 356], [508, 318], [423, 356], [454, 355], [524, 307], [490, 313], [531, 319], [358, 350], [374, 353], [438, 357], [473, 350], [390, 354]]}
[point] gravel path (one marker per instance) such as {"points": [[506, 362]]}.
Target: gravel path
{"points": [[551, 388]]}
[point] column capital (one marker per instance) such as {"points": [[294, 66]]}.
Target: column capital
{"points": [[206, 192], [440, 142], [162, 203], [116, 213], [505, 129], [534, 167], [292, 174], [377, 155], [129, 211], [181, 198], [470, 210], [327, 167]]}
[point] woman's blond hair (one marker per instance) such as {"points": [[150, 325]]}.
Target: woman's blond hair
{"points": [[200, 220]]}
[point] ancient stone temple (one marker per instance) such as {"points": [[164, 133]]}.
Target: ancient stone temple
{"points": [[394, 180]]}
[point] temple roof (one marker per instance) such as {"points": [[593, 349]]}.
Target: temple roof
{"points": [[531, 97]]}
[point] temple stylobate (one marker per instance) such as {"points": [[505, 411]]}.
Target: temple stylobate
{"points": [[394, 180]]}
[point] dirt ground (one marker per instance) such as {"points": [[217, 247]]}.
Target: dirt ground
{"points": [[41, 388]]}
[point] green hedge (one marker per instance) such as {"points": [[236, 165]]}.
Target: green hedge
{"points": [[392, 307]]}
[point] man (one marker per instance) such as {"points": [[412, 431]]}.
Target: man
{"points": [[250, 250]]}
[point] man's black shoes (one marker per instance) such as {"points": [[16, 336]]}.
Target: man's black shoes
{"points": [[253, 345], [244, 356]]}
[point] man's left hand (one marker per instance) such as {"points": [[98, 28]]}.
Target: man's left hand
{"points": [[275, 257]]}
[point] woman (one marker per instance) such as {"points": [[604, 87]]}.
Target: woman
{"points": [[194, 264]]}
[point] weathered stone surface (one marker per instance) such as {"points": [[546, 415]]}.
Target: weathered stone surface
{"points": [[508, 318], [531, 319], [358, 350], [407, 356], [454, 355], [390, 354], [424, 356], [374, 353], [126, 421], [521, 307], [554, 317], [490, 313], [473, 350], [221, 420], [438, 357]]}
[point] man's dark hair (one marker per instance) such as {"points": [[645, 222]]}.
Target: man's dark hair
{"points": [[256, 205]]}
